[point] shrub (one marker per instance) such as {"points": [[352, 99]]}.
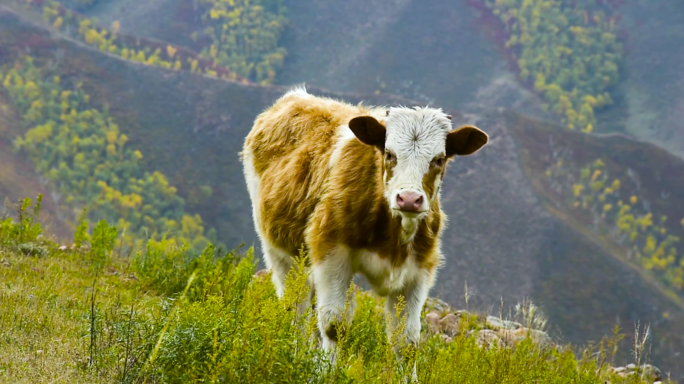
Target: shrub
{"points": [[568, 51], [617, 214], [25, 233], [84, 155], [245, 35]]}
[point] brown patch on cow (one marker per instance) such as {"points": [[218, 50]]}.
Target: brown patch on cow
{"points": [[388, 165], [465, 141], [331, 332], [305, 201], [369, 130], [430, 180]]}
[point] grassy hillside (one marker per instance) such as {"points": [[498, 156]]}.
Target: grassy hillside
{"points": [[85, 314], [501, 239]]}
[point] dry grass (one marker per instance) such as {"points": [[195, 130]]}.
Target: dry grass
{"points": [[44, 305]]}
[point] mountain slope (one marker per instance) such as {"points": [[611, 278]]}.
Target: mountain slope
{"points": [[18, 178]]}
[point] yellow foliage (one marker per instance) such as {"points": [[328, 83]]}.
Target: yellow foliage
{"points": [[80, 151], [112, 137], [105, 41], [245, 36], [577, 189], [572, 63], [616, 184], [649, 241]]}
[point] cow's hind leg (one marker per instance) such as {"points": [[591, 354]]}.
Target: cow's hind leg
{"points": [[277, 261]]}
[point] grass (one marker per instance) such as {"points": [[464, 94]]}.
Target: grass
{"points": [[166, 314]]}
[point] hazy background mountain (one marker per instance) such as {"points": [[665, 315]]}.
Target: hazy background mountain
{"points": [[528, 214]]}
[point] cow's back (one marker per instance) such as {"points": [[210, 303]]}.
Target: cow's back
{"points": [[291, 144]]}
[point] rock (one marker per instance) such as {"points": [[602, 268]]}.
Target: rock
{"points": [[487, 338], [260, 273], [62, 248], [5, 263], [651, 372], [436, 305], [446, 338], [450, 324], [432, 320], [495, 322], [514, 336]]}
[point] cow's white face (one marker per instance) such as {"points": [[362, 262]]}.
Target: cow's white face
{"points": [[416, 144]]}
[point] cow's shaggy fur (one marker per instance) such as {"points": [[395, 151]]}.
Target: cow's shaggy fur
{"points": [[326, 175]]}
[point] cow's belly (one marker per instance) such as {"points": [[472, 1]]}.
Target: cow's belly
{"points": [[384, 278]]}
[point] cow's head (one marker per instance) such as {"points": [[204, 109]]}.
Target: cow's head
{"points": [[416, 145]]}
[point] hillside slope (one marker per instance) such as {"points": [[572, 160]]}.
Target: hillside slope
{"points": [[445, 54], [501, 239], [653, 86], [18, 178]]}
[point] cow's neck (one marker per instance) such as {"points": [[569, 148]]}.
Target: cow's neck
{"points": [[409, 228]]}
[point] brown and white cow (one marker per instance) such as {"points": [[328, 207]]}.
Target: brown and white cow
{"points": [[359, 188]]}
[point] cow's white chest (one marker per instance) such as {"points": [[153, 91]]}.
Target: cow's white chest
{"points": [[380, 273]]}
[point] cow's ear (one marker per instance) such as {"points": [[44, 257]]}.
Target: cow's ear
{"points": [[465, 141], [368, 130]]}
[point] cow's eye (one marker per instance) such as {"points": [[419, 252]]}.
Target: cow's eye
{"points": [[438, 162], [389, 156]]}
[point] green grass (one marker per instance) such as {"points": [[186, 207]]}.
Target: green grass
{"points": [[166, 314]]}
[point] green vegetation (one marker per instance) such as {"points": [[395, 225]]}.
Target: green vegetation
{"points": [[129, 49], [82, 152], [89, 315], [623, 220], [568, 50], [244, 36]]}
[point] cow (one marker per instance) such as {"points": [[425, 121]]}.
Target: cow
{"points": [[358, 188]]}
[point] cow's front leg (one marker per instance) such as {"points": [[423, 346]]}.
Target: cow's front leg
{"points": [[415, 294], [332, 273]]}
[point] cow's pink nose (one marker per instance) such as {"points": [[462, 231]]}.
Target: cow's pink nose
{"points": [[409, 201]]}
